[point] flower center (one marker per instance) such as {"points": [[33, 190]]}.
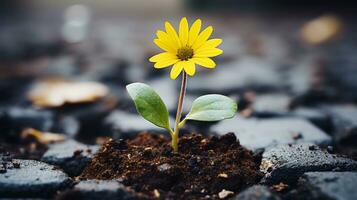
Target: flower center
{"points": [[184, 53]]}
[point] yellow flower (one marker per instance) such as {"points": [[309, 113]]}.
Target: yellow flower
{"points": [[185, 49]]}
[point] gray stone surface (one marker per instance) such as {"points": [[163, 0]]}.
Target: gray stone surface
{"points": [[302, 75], [344, 118], [315, 116], [271, 104], [257, 192], [124, 124], [329, 185], [67, 125], [167, 89], [341, 71], [278, 105], [286, 163], [15, 119], [32, 179], [70, 155], [263, 133], [248, 72], [98, 189]]}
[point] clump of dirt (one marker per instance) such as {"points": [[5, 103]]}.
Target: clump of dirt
{"points": [[202, 168]]}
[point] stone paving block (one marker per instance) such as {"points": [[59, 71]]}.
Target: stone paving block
{"points": [[98, 189], [67, 125], [301, 75], [248, 72], [70, 155], [32, 179], [315, 116], [278, 105], [257, 192], [14, 119], [91, 118], [286, 163], [124, 124], [271, 105], [328, 185], [263, 133], [344, 118], [341, 71]]}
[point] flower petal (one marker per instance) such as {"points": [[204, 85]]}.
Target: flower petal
{"points": [[162, 57], [211, 52], [172, 33], [202, 38], [165, 63], [176, 70], [210, 44], [190, 67], [213, 42], [165, 38], [205, 62], [193, 33], [183, 31], [163, 45]]}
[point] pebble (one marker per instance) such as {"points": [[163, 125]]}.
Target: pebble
{"points": [[224, 194], [16, 163], [164, 167], [223, 175]]}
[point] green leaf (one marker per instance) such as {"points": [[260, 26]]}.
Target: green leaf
{"points": [[212, 107], [149, 104]]}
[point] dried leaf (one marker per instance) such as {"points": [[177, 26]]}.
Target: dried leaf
{"points": [[321, 29], [42, 137], [58, 93]]}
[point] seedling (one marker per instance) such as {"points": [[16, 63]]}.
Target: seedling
{"points": [[183, 50]]}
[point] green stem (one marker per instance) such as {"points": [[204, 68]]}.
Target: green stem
{"points": [[183, 122], [174, 142]]}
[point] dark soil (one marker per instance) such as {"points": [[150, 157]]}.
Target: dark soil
{"points": [[201, 169], [22, 148]]}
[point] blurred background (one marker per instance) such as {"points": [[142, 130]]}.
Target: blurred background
{"points": [[278, 56], [290, 47]]}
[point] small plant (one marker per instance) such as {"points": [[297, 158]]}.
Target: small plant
{"points": [[183, 50]]}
